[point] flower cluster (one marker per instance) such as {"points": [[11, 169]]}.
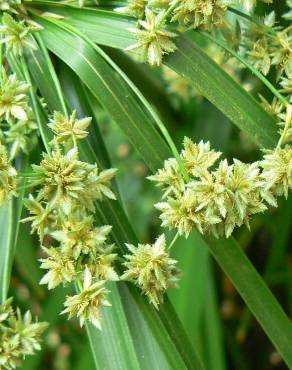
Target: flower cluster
{"points": [[266, 45], [18, 127], [8, 177], [153, 39], [60, 211], [135, 8], [16, 35], [19, 335], [204, 14], [216, 200], [9, 5], [151, 269]]}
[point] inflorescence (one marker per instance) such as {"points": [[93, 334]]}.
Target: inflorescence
{"points": [[218, 198], [19, 335]]}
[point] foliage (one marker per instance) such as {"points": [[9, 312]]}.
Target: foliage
{"points": [[84, 124]]}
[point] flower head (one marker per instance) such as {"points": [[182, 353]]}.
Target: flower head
{"points": [[135, 8], [78, 236], [169, 178], [19, 336], [102, 266], [66, 181], [153, 39], [69, 128], [61, 268], [17, 35], [9, 5], [198, 157], [277, 170], [40, 217], [206, 14], [8, 177], [13, 98], [151, 268], [88, 303]]}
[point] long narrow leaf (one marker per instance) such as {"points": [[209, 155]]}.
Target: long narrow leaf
{"points": [[191, 62]]}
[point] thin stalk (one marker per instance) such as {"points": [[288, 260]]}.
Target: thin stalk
{"points": [[287, 126], [6, 273], [53, 73], [166, 14], [249, 66], [34, 103], [173, 240]]}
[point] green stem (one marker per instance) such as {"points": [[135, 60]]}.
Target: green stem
{"points": [[34, 102], [166, 14], [53, 73], [287, 126], [173, 240], [249, 66]]}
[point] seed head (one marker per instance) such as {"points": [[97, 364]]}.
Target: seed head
{"points": [[205, 14], [153, 39], [61, 268], [88, 303], [8, 177], [277, 170], [17, 35], [13, 98], [69, 129], [151, 268]]}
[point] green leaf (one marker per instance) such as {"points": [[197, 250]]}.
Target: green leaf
{"points": [[255, 293], [7, 242], [192, 63], [10, 214]]}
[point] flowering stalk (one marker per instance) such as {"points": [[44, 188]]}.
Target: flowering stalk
{"points": [[61, 211]]}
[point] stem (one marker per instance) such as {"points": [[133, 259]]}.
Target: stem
{"points": [[1, 62], [249, 66], [166, 14], [173, 240], [287, 126], [34, 102], [29, 174], [53, 73]]}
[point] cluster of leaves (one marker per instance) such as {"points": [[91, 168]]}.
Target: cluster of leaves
{"points": [[19, 335]]}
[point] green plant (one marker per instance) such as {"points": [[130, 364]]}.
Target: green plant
{"points": [[70, 71]]}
